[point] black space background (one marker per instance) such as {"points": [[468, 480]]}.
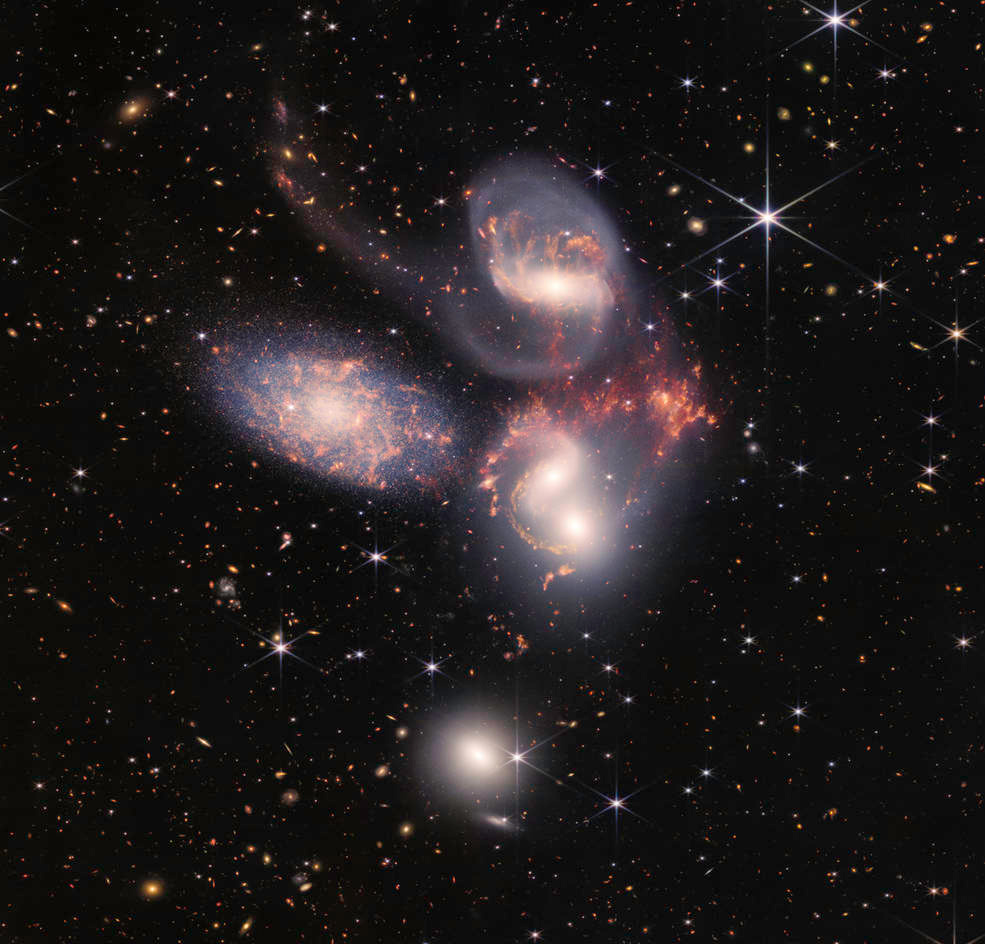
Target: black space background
{"points": [[104, 699]]}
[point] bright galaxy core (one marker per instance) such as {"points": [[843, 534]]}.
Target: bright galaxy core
{"points": [[359, 425]]}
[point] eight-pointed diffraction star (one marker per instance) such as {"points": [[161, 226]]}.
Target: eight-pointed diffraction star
{"points": [[377, 558], [278, 647], [617, 805], [431, 666], [769, 217], [956, 334], [835, 21]]}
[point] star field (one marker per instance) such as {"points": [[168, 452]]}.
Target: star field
{"points": [[493, 471]]}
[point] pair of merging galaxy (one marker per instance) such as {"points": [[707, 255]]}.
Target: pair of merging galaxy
{"points": [[541, 301]]}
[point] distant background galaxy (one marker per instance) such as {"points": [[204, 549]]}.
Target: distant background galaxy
{"points": [[510, 473]]}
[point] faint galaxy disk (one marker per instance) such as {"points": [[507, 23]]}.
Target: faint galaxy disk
{"points": [[548, 258], [494, 820], [342, 416]]}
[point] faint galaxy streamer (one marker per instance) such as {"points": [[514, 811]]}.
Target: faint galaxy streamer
{"points": [[524, 275]]}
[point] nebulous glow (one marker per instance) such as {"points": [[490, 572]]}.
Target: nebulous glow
{"points": [[338, 416], [583, 451], [470, 755], [553, 289], [476, 756], [558, 503], [549, 255], [151, 889], [133, 109]]}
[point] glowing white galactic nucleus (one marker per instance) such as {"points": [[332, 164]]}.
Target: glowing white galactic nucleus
{"points": [[558, 502], [477, 757], [470, 756], [551, 488], [548, 288]]}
